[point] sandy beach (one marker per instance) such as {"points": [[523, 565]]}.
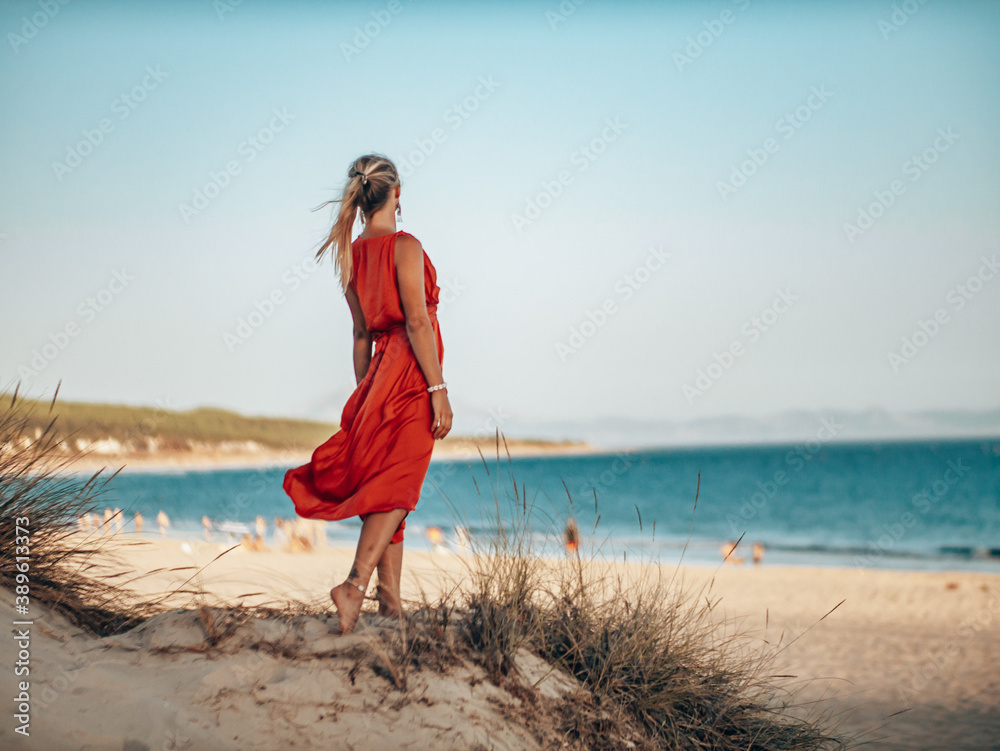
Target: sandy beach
{"points": [[924, 645]]}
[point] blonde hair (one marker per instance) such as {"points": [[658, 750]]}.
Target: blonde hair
{"points": [[370, 178]]}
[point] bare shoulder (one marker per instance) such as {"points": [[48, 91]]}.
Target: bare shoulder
{"points": [[408, 249]]}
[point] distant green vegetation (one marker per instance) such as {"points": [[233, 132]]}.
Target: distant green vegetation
{"points": [[134, 427]]}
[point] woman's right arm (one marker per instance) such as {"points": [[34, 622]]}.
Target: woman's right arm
{"points": [[362, 339], [409, 263]]}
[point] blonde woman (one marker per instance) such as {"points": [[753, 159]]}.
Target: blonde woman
{"points": [[374, 466]]}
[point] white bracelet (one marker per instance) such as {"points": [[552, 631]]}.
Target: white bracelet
{"points": [[440, 386]]}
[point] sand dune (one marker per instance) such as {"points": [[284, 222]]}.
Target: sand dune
{"points": [[265, 685]]}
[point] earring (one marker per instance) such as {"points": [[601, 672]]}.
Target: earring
{"points": [[399, 212]]}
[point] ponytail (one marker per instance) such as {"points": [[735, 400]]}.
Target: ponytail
{"points": [[370, 178]]}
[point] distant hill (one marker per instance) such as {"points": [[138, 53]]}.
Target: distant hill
{"points": [[119, 428], [150, 436]]}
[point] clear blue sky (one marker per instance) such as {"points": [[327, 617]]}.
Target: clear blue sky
{"points": [[834, 100]]}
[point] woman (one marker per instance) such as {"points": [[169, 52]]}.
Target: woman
{"points": [[374, 466]]}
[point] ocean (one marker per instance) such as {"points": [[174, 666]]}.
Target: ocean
{"points": [[920, 505]]}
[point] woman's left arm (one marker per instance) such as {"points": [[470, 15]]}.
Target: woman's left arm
{"points": [[362, 339]]}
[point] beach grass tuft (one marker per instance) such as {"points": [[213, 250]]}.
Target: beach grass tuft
{"points": [[40, 503], [651, 653]]}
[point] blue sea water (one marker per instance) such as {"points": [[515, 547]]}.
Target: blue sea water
{"points": [[930, 505]]}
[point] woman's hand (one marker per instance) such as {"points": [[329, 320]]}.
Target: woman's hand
{"points": [[441, 423]]}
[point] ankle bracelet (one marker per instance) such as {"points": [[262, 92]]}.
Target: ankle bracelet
{"points": [[355, 584]]}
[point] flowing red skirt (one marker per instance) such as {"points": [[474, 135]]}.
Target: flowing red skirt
{"points": [[378, 459]]}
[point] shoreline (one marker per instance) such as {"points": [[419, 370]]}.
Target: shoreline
{"points": [[461, 448], [208, 461], [336, 548], [422, 546]]}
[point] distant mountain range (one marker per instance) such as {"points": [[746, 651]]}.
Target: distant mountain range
{"points": [[785, 427]]}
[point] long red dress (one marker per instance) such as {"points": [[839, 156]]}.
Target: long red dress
{"points": [[378, 459]]}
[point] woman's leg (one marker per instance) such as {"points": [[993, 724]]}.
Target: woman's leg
{"points": [[376, 532], [390, 569]]}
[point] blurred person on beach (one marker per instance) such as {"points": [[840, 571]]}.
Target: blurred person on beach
{"points": [[758, 553], [164, 521], [572, 536], [303, 530], [728, 551], [138, 523], [435, 536], [374, 466], [251, 542], [300, 543], [280, 533], [462, 539], [261, 524], [116, 516], [207, 524]]}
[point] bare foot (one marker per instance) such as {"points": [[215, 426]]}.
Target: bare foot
{"points": [[348, 600], [388, 606]]}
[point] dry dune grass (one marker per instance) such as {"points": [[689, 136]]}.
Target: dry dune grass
{"points": [[33, 487], [660, 668]]}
